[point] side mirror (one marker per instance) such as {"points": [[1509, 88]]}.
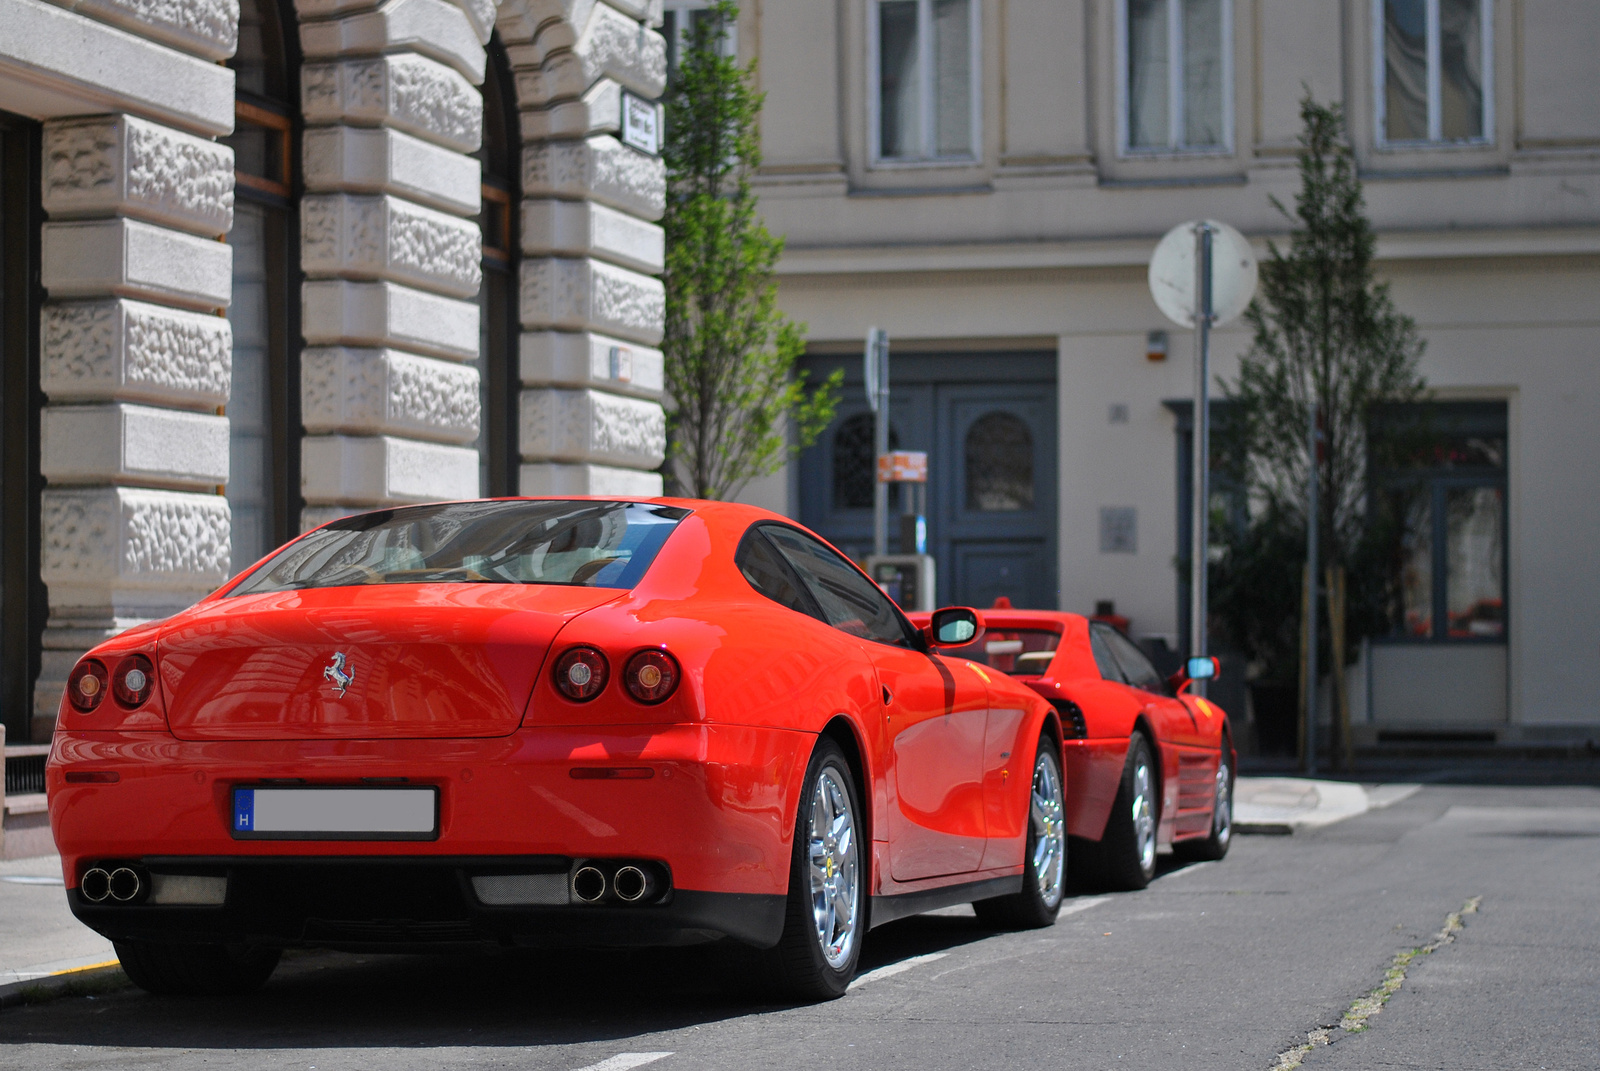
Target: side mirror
{"points": [[1195, 669], [954, 626]]}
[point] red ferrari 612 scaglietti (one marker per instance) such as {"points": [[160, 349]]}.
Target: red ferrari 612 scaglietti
{"points": [[1148, 765], [524, 721]]}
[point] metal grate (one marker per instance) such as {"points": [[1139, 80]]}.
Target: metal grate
{"points": [[25, 770]]}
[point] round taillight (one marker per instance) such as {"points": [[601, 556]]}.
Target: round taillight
{"points": [[87, 685], [651, 676], [581, 673], [133, 681]]}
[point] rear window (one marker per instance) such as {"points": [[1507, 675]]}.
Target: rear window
{"points": [[1021, 652], [584, 544]]}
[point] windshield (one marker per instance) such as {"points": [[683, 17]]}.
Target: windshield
{"points": [[1021, 652], [588, 544]]}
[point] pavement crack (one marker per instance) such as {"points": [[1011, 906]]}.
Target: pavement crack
{"points": [[1354, 1020]]}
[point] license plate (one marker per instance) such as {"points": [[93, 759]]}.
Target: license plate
{"points": [[272, 813]]}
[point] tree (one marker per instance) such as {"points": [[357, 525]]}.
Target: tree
{"points": [[1325, 334], [738, 411]]}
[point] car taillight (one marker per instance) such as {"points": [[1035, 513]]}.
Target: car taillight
{"points": [[133, 681], [650, 676], [87, 685], [581, 673]]}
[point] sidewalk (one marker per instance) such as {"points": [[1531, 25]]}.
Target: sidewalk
{"points": [[1285, 804], [40, 942]]}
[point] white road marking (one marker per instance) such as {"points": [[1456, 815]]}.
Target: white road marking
{"points": [[1187, 869], [896, 968], [1082, 905], [626, 1061]]}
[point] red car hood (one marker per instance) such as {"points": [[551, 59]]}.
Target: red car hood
{"points": [[422, 660]]}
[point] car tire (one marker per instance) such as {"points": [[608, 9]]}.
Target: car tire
{"points": [[1044, 863], [1125, 856], [185, 970], [816, 957], [1215, 844]]}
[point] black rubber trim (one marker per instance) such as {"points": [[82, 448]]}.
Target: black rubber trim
{"points": [[888, 908]]}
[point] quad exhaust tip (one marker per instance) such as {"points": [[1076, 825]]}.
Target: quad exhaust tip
{"points": [[123, 884], [95, 885], [631, 884], [588, 884]]}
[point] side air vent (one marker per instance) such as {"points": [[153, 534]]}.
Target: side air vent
{"points": [[1072, 723]]}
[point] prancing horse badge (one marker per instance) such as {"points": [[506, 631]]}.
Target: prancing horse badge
{"points": [[340, 677]]}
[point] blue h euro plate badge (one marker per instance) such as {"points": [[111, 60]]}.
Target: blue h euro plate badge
{"points": [[244, 810]]}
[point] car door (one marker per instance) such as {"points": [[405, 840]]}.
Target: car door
{"points": [[934, 714], [1190, 767]]}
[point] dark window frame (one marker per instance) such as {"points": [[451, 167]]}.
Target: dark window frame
{"points": [[502, 254]]}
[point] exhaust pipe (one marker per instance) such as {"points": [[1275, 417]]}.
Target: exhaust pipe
{"points": [[588, 884], [95, 885], [632, 884], [125, 884]]}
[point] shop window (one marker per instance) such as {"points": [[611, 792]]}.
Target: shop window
{"points": [[1445, 499], [1432, 66], [923, 78], [1175, 75], [999, 464], [498, 380], [264, 405], [678, 17]]}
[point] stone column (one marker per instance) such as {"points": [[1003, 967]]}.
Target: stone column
{"points": [[591, 307], [135, 360], [392, 259]]}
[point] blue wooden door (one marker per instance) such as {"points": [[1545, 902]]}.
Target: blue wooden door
{"points": [[987, 422]]}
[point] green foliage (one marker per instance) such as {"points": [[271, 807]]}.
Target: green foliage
{"points": [[739, 411], [1326, 333]]}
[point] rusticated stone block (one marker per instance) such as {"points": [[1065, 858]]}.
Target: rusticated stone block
{"points": [[598, 111], [519, 21], [364, 160], [589, 295], [120, 165], [338, 312], [125, 552], [570, 359], [409, 92], [123, 443], [591, 425], [386, 237], [553, 478], [612, 45], [208, 28], [130, 258], [382, 470], [386, 392], [586, 229], [132, 351], [599, 168], [432, 27]]}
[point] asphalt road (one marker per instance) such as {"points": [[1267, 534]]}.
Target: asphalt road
{"points": [[1228, 965]]}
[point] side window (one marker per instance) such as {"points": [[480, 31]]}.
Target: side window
{"points": [[770, 575], [1136, 668], [1101, 647], [850, 602]]}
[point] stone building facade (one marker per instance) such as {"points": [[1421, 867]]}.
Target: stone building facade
{"points": [[266, 263]]}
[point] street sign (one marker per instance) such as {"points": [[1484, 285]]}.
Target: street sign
{"points": [[903, 466], [1173, 274], [641, 124]]}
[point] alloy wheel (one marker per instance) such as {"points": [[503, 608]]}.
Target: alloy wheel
{"points": [[1048, 816], [835, 869], [1144, 816]]}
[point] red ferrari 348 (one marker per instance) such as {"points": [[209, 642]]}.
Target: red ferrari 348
{"points": [[1149, 766], [525, 721]]}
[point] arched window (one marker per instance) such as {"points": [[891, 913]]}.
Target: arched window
{"points": [[999, 463], [264, 407], [497, 299], [853, 467]]}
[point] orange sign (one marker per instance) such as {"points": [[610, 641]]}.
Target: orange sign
{"points": [[903, 466]]}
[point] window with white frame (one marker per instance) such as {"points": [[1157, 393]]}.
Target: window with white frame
{"points": [[1175, 75], [924, 85], [677, 16], [1432, 67]]}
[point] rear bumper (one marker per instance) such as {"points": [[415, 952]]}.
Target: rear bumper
{"points": [[716, 812], [407, 903]]}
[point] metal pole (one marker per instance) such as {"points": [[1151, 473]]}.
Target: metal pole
{"points": [[1312, 524], [880, 443], [1200, 520]]}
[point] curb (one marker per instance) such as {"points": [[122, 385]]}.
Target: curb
{"points": [[92, 977]]}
